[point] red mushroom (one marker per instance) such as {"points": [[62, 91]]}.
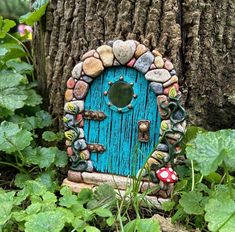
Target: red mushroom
{"points": [[167, 175]]}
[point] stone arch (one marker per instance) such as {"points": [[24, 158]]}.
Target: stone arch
{"points": [[157, 70]]}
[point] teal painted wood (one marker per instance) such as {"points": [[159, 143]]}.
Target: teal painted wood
{"points": [[124, 154]]}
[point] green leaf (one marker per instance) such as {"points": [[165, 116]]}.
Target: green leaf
{"points": [[44, 119], [91, 229], [33, 98], [5, 26], [102, 212], [20, 179], [211, 149], [13, 51], [3, 51], [61, 158], [168, 205], [142, 225], [50, 221], [19, 66], [193, 202], [50, 136], [32, 17], [6, 203], [35, 188], [220, 213], [13, 138]]}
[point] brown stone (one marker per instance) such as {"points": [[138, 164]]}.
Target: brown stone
{"points": [[167, 89], [156, 53], [68, 95], [140, 50], [168, 65], [71, 83], [106, 55], [88, 54], [80, 89], [92, 67], [173, 80]]}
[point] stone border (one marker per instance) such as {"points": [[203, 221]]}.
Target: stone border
{"points": [[158, 71]]}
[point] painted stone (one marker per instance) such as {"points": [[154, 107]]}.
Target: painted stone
{"points": [[178, 115], [81, 133], [85, 154], [74, 107], [87, 79], [71, 83], [124, 50], [80, 144], [156, 53], [167, 89], [106, 55], [79, 120], [173, 72], [88, 54], [158, 61], [173, 80], [69, 151], [168, 65], [92, 67], [164, 112], [156, 87], [140, 50], [162, 147], [160, 155], [152, 163], [143, 63], [68, 95], [90, 167], [158, 75], [70, 135], [77, 70], [80, 89], [68, 120], [131, 62]]}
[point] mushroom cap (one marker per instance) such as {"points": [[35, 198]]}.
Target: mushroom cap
{"points": [[167, 175]]}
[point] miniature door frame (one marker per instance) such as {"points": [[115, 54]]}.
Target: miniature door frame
{"points": [[161, 74]]}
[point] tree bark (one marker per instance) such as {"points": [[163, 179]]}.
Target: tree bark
{"points": [[197, 35]]}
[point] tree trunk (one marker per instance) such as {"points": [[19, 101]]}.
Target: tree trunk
{"points": [[197, 35]]}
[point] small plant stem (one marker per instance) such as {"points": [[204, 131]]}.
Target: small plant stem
{"points": [[14, 166], [193, 177], [229, 180], [222, 179], [201, 179], [120, 218]]}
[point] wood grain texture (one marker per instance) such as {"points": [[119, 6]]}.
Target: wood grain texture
{"points": [[197, 35]]}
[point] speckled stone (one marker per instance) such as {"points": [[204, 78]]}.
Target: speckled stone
{"points": [[70, 83], [162, 147], [80, 144], [88, 54], [143, 63], [87, 79], [80, 89], [77, 70], [156, 53], [173, 80], [124, 50], [158, 75], [167, 89], [140, 50], [74, 106], [131, 62], [156, 87], [168, 65], [92, 67], [106, 55], [85, 154], [68, 95], [173, 72], [158, 61]]}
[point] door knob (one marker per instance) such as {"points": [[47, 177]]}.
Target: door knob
{"points": [[143, 130]]}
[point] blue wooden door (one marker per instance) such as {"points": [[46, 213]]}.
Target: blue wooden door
{"points": [[118, 133]]}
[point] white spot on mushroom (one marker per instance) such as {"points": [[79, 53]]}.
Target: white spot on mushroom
{"points": [[174, 177], [168, 180], [164, 174], [170, 169]]}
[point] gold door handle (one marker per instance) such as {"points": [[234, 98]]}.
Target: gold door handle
{"points": [[144, 131]]}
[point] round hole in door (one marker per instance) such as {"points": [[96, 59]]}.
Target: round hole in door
{"points": [[120, 94]]}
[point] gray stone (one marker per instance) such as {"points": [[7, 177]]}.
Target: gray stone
{"points": [[173, 72], [143, 63], [156, 87], [90, 167], [162, 147], [80, 144], [158, 75], [74, 107], [178, 115], [77, 70], [87, 79], [124, 50]]}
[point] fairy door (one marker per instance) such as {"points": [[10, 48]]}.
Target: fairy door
{"points": [[130, 129]]}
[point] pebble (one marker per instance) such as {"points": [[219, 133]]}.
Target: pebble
{"points": [[80, 144], [85, 154], [178, 115], [143, 63], [90, 167], [124, 50], [158, 75], [92, 67], [96, 55], [172, 80], [80, 89], [160, 155], [162, 147], [116, 63], [158, 61], [68, 120], [68, 95], [173, 72], [156, 87], [167, 89], [70, 83], [106, 55], [162, 99], [74, 106], [156, 53], [68, 142], [168, 65], [131, 62], [80, 120], [88, 54], [77, 70], [87, 79], [81, 133], [140, 50], [152, 66], [69, 151]]}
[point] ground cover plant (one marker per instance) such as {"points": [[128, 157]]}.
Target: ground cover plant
{"points": [[31, 196]]}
